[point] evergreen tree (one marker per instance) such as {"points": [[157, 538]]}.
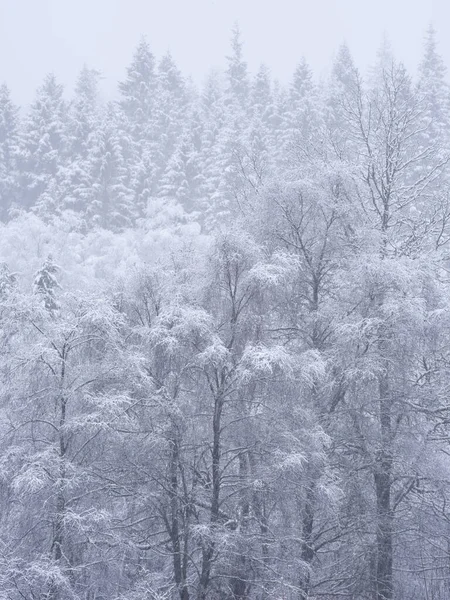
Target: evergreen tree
{"points": [[183, 177], [172, 111], [44, 144], [213, 118], [261, 99], [302, 119], [83, 120], [434, 89], [279, 121], [9, 148], [383, 63], [237, 75], [171, 80], [46, 284], [83, 112], [342, 91], [227, 160], [138, 90], [7, 280], [109, 197], [137, 104], [301, 85]]}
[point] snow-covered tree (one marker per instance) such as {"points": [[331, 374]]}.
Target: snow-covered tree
{"points": [[46, 284], [138, 90], [240, 390], [7, 280], [9, 148], [171, 111], [43, 150], [108, 194], [237, 75], [83, 120], [434, 90]]}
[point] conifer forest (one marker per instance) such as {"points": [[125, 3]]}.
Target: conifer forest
{"points": [[225, 333]]}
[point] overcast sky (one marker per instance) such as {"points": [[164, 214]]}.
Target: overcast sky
{"points": [[39, 36]]}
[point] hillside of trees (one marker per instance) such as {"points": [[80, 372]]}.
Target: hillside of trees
{"points": [[225, 334]]}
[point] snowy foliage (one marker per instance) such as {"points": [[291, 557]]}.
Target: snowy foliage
{"points": [[224, 320]]}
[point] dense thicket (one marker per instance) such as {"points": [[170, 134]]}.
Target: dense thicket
{"points": [[225, 335]]}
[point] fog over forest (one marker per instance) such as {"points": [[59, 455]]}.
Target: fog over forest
{"points": [[225, 331]]}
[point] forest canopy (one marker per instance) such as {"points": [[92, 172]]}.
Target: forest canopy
{"points": [[225, 334]]}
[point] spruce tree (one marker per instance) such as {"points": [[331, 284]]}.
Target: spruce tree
{"points": [[237, 74], [341, 94], [172, 111], [83, 112], [138, 90], [301, 119], [44, 145], [82, 123], [183, 177], [138, 96], [434, 89], [46, 284], [261, 98], [110, 200], [9, 150], [7, 280]]}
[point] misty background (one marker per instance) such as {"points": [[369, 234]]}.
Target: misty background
{"points": [[37, 37]]}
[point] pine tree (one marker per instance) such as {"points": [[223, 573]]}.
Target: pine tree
{"points": [[183, 177], [343, 70], [83, 112], [211, 119], [83, 120], [261, 98], [237, 75], [46, 284], [9, 149], [138, 90], [109, 197], [384, 62], [434, 89], [137, 106], [171, 80], [255, 155], [279, 121], [302, 118], [301, 85], [226, 114], [172, 111], [7, 280], [227, 155], [44, 144], [341, 93]]}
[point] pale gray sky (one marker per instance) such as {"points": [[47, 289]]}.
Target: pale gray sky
{"points": [[38, 36]]}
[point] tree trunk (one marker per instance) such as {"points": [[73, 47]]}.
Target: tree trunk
{"points": [[383, 483], [208, 549], [178, 567], [239, 580], [60, 503], [307, 551]]}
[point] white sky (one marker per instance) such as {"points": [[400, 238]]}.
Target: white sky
{"points": [[39, 36]]}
